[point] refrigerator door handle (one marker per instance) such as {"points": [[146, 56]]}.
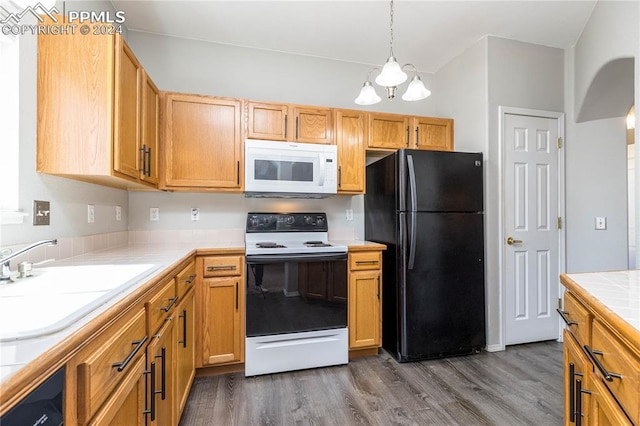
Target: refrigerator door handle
{"points": [[414, 208]]}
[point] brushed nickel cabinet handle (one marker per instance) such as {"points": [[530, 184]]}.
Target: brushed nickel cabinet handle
{"points": [[172, 302], [366, 262], [221, 268]]}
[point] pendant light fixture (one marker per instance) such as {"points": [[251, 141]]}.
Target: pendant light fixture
{"points": [[390, 76]]}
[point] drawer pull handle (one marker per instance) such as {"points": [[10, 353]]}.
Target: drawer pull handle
{"points": [[563, 315], [190, 279], [152, 396], [221, 268], [170, 305], [607, 375], [366, 262], [122, 365], [237, 291]]}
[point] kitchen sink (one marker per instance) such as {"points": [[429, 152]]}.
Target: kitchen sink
{"points": [[56, 297]]}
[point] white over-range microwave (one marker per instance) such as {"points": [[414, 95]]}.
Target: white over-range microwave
{"points": [[289, 169]]}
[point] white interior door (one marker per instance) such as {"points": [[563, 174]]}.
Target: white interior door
{"points": [[531, 231]]}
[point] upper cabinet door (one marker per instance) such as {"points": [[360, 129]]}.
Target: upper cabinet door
{"points": [[433, 133], [126, 142], [150, 121], [203, 143], [313, 125], [388, 131], [351, 151], [267, 121]]}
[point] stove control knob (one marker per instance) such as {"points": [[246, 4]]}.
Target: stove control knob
{"points": [[253, 221], [289, 220], [320, 221], [308, 220]]}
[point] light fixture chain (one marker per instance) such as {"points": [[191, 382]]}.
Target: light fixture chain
{"points": [[391, 29]]}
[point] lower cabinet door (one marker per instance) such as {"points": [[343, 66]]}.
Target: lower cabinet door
{"points": [[184, 351], [223, 327], [126, 405], [576, 365], [364, 309], [605, 410], [160, 359]]}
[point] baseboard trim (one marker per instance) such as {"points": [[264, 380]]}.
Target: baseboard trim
{"points": [[495, 348]]}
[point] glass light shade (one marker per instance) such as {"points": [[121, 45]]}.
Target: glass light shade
{"points": [[416, 90], [391, 74], [368, 95]]}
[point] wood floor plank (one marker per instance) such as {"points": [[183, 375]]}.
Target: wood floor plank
{"points": [[519, 386]]}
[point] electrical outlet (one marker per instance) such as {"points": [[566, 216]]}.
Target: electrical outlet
{"points": [[91, 213], [601, 223], [118, 213], [41, 212], [154, 214], [349, 214], [195, 213]]}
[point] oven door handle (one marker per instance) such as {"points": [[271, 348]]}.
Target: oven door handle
{"points": [[298, 257]]}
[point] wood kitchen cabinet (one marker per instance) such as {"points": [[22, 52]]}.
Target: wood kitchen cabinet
{"points": [[365, 305], [388, 131], [150, 123], [394, 131], [595, 346], [350, 139], [312, 124], [221, 310], [434, 134], [203, 143], [90, 106], [287, 122]]}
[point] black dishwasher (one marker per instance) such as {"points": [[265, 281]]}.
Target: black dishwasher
{"points": [[43, 406]]}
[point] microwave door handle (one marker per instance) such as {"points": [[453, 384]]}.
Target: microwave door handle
{"points": [[322, 167]]}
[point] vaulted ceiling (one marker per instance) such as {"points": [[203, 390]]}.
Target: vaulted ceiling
{"points": [[426, 33]]}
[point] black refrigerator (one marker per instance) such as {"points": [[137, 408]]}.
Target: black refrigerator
{"points": [[427, 207]]}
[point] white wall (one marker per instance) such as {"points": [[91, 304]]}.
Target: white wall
{"points": [[596, 150], [597, 186], [68, 198]]}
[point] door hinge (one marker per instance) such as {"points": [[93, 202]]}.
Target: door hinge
{"points": [[559, 222], [560, 303], [559, 143]]}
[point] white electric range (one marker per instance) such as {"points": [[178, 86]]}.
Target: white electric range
{"points": [[296, 312]]}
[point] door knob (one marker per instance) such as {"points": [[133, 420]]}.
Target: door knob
{"points": [[511, 241]]}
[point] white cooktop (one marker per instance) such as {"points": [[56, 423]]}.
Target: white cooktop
{"points": [[291, 243]]}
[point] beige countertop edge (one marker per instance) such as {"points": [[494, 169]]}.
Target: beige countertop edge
{"points": [[622, 327]]}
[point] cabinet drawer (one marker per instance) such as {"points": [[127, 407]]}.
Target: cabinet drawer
{"points": [[106, 361], [365, 260], [159, 306], [185, 280], [617, 358], [576, 313], [222, 266]]}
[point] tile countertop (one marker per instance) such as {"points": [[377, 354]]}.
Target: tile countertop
{"points": [[16, 354], [615, 293]]}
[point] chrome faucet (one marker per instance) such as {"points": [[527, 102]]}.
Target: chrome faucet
{"points": [[5, 274]]}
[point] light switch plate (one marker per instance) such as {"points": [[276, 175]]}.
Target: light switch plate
{"points": [[601, 223], [154, 214], [91, 213], [41, 212], [118, 213]]}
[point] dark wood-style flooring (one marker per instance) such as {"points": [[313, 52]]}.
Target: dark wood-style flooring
{"points": [[519, 386]]}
